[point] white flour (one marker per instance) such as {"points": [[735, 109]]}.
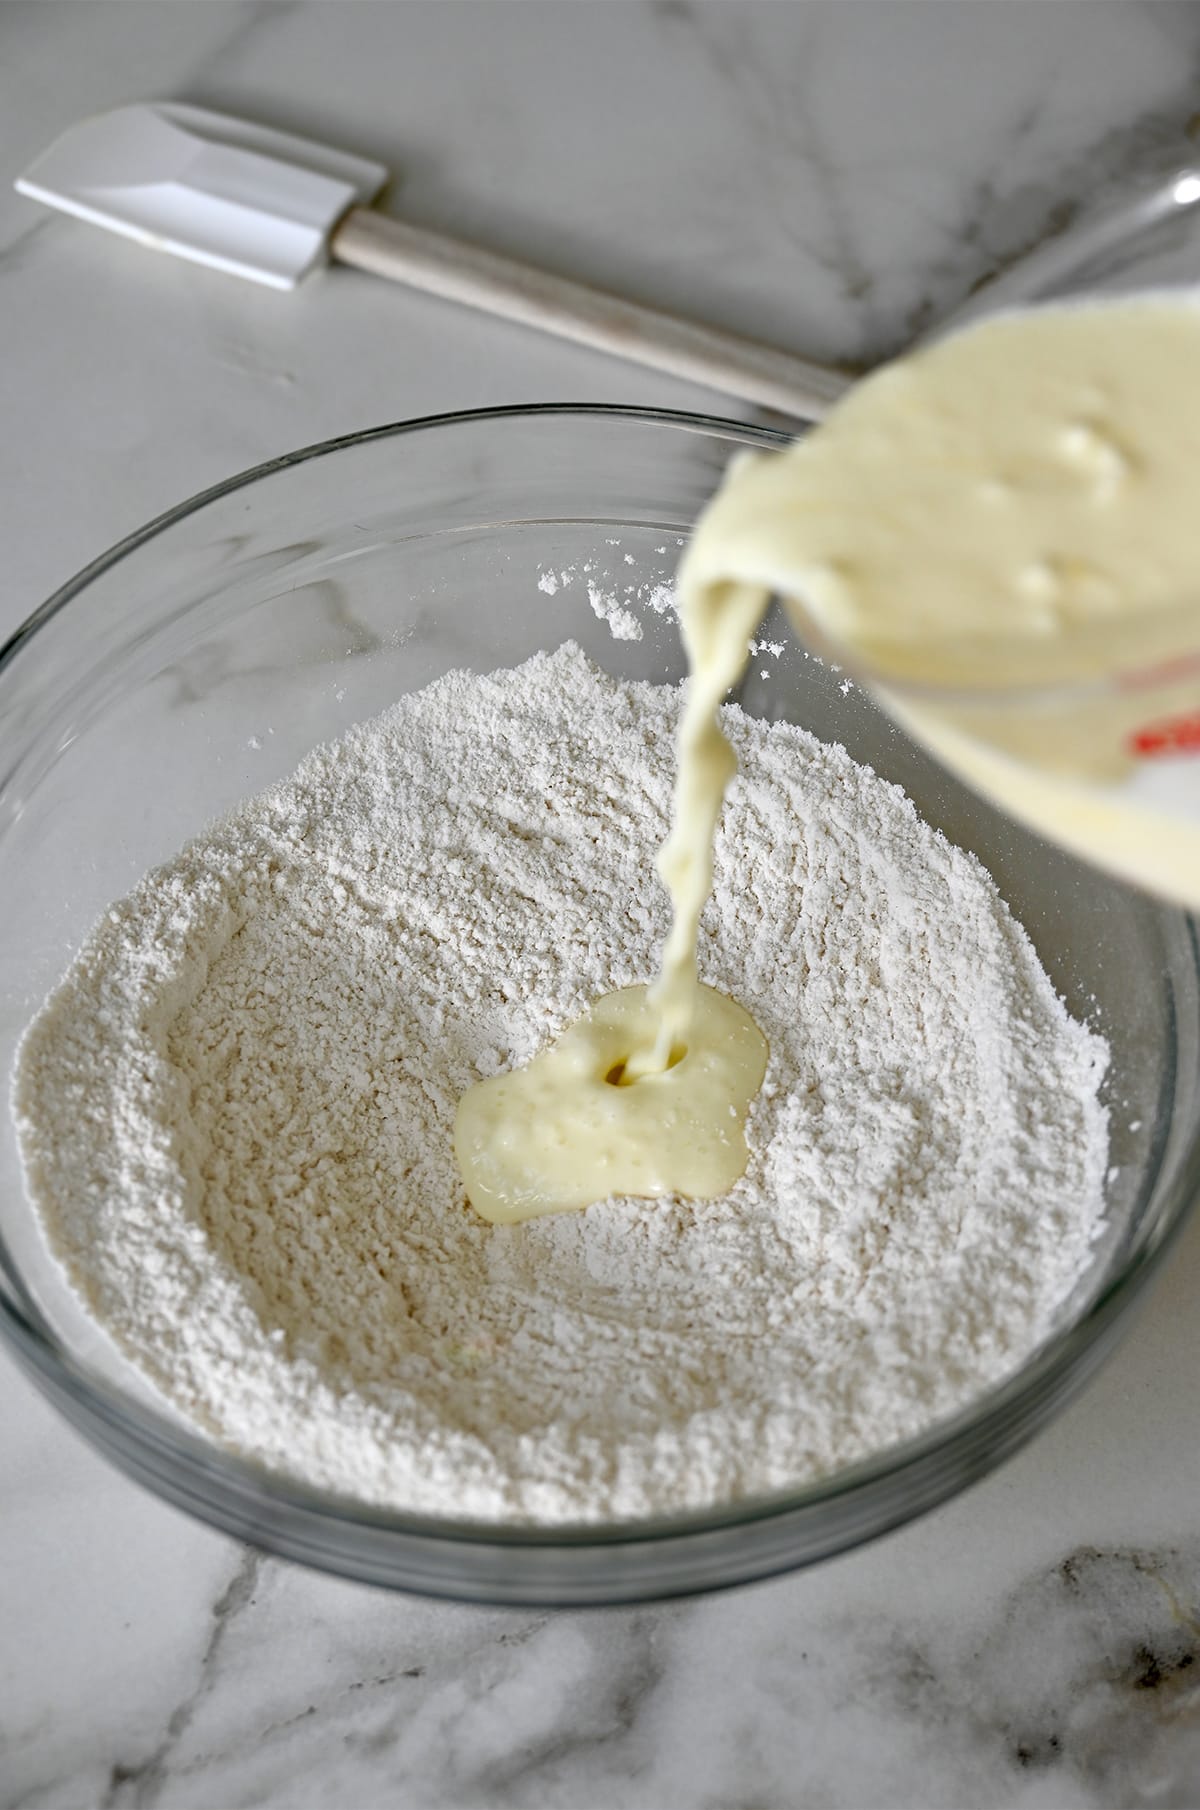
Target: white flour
{"points": [[623, 625], [236, 1110], [610, 598]]}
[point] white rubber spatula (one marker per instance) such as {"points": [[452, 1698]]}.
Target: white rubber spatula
{"points": [[272, 207]]}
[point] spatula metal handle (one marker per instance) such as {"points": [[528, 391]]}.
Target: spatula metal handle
{"points": [[460, 272]]}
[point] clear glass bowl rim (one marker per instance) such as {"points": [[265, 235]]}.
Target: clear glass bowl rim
{"points": [[240, 1497]]}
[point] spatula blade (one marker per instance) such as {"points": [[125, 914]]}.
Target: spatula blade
{"points": [[221, 191]]}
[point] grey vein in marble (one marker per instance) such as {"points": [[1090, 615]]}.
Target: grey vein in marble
{"points": [[1079, 1685], [139, 1785]]}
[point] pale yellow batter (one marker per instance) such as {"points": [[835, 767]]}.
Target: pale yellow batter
{"points": [[573, 1128], [716, 622], [1002, 531]]}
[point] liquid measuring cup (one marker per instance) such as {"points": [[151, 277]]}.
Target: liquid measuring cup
{"points": [[1093, 741]]}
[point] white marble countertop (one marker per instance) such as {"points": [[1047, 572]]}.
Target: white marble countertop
{"points": [[833, 176]]}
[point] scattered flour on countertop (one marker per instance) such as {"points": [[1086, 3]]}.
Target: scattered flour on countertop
{"points": [[235, 1114]]}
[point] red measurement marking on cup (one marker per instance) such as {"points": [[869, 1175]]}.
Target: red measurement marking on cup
{"points": [[1173, 735]]}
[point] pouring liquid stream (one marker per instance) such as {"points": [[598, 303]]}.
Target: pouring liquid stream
{"points": [[647, 1093]]}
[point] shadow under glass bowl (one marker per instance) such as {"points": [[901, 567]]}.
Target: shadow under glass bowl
{"points": [[201, 659]]}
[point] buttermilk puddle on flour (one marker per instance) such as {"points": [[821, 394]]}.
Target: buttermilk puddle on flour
{"points": [[236, 1116]]}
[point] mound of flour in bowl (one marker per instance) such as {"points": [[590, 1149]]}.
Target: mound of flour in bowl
{"points": [[236, 1110]]}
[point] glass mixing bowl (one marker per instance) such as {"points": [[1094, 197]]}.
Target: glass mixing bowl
{"points": [[199, 660]]}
